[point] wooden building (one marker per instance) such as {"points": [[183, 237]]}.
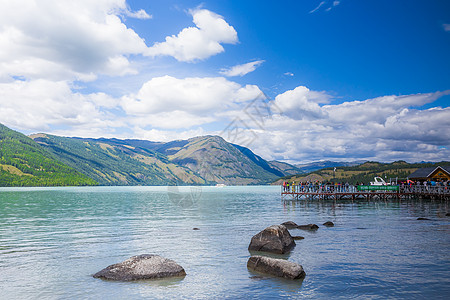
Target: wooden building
{"points": [[434, 173]]}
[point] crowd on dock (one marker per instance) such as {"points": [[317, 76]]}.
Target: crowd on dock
{"points": [[317, 187], [324, 187]]}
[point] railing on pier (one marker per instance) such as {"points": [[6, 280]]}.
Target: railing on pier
{"points": [[352, 192]]}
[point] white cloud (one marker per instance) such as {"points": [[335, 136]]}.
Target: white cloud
{"points": [[241, 70], [200, 42], [383, 129], [446, 27], [199, 95], [41, 104], [65, 39], [289, 74], [317, 8], [301, 103], [176, 103], [140, 14]]}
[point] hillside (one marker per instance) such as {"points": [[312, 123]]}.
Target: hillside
{"points": [[25, 163], [362, 173], [115, 162], [219, 161], [200, 160], [285, 168], [314, 166]]}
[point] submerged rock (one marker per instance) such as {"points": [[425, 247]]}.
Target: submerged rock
{"points": [[276, 267], [308, 227], [145, 266], [289, 224], [423, 219], [297, 237], [195, 228], [274, 239], [328, 224]]}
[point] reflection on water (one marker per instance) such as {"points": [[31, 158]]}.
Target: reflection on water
{"points": [[53, 239]]}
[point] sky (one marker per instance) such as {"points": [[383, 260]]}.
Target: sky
{"points": [[293, 80]]}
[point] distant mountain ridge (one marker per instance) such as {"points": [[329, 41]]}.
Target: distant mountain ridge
{"points": [[196, 161], [318, 165]]}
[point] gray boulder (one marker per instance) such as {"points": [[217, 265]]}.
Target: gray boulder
{"points": [[290, 224], [274, 239], [276, 267], [328, 224], [145, 266], [308, 227]]}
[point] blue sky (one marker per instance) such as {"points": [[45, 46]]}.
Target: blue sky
{"points": [[296, 81]]}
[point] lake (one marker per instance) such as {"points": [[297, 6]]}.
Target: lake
{"points": [[53, 239]]}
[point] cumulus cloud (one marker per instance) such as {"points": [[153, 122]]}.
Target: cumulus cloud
{"points": [[384, 128], [200, 42], [241, 70], [66, 39], [301, 103], [176, 103], [39, 104]]}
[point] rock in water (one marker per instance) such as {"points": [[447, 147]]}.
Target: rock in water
{"points": [[328, 224], [274, 239], [290, 224], [308, 227], [276, 267], [423, 219], [297, 237], [145, 266]]}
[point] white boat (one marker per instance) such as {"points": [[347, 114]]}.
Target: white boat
{"points": [[378, 181], [220, 185]]}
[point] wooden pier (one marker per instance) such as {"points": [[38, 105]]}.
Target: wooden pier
{"points": [[351, 192]]}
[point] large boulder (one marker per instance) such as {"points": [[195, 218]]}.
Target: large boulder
{"points": [[145, 266], [274, 239], [275, 267]]}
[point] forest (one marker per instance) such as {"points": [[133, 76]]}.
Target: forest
{"points": [[23, 162]]}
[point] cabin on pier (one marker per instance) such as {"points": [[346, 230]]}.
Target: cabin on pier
{"points": [[439, 173]]}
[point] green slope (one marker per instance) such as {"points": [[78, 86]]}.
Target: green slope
{"points": [[25, 163], [115, 162]]}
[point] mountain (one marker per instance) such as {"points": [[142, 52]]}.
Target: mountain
{"points": [[199, 160], [117, 162], [314, 166], [219, 161], [362, 173], [23, 162], [285, 168]]}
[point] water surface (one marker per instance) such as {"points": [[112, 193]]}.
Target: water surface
{"points": [[53, 239]]}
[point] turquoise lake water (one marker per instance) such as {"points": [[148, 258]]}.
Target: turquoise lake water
{"points": [[53, 239]]}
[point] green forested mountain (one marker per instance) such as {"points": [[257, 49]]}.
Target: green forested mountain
{"points": [[116, 162], [364, 173], [201, 160], [23, 162]]}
